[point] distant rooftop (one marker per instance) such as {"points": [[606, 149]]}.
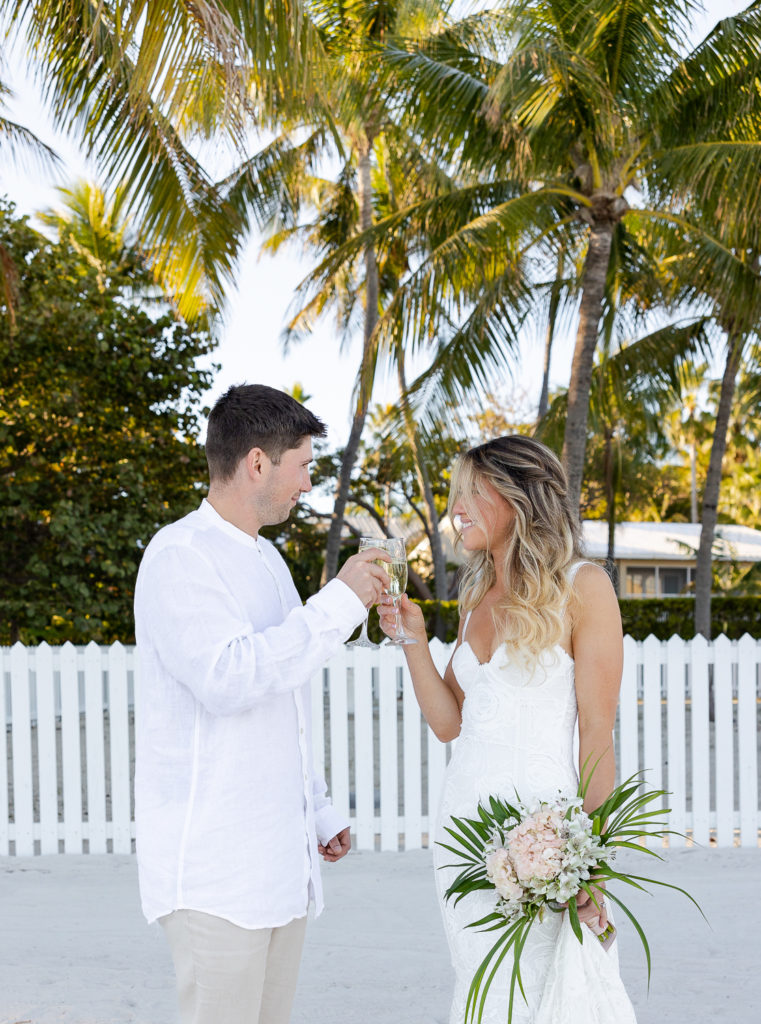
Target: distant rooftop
{"points": [[677, 542], [644, 542]]}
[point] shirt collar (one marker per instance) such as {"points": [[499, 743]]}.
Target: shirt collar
{"points": [[208, 512]]}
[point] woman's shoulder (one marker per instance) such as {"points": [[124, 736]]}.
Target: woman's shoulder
{"points": [[595, 593], [584, 573]]}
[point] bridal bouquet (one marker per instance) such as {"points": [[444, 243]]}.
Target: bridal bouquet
{"points": [[537, 858]]}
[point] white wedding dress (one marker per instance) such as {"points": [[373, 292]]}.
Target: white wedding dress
{"points": [[518, 736]]}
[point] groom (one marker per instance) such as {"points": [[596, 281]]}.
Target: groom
{"points": [[230, 816]]}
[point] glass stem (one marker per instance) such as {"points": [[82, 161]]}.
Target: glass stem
{"points": [[397, 601]]}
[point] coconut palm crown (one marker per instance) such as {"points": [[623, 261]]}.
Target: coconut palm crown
{"points": [[565, 119]]}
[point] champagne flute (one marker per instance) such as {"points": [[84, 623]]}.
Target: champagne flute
{"points": [[397, 573], [363, 640]]}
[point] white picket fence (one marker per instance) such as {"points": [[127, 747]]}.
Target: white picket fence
{"points": [[66, 753]]}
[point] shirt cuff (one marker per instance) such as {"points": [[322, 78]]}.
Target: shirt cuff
{"points": [[328, 822], [341, 605]]}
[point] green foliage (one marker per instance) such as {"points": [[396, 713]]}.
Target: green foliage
{"points": [[674, 616], [98, 428], [301, 542], [662, 618], [449, 613]]}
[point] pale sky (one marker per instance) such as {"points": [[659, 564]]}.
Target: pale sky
{"points": [[249, 348]]}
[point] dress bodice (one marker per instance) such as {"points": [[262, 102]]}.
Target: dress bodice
{"points": [[517, 722]]}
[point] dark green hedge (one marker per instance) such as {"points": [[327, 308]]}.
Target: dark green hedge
{"points": [[641, 618], [734, 616]]}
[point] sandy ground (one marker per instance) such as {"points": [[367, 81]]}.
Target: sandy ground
{"points": [[74, 948]]}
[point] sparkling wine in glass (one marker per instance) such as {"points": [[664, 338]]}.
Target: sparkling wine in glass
{"points": [[397, 574], [363, 640]]}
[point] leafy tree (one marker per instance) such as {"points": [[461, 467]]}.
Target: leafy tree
{"points": [[98, 425]]}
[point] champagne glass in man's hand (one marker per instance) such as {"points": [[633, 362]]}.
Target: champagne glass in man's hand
{"points": [[363, 640]]}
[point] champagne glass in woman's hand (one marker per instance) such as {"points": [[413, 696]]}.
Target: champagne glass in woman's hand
{"points": [[363, 640], [397, 574]]}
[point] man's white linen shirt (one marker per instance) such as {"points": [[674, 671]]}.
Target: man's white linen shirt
{"points": [[227, 806]]}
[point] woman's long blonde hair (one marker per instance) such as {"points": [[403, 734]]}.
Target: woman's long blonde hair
{"points": [[544, 541]]}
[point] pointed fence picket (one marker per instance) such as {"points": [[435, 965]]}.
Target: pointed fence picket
{"points": [[676, 669], [66, 752], [700, 743], [724, 731], [47, 759], [747, 747]]}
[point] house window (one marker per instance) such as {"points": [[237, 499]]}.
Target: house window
{"points": [[673, 581], [640, 583]]}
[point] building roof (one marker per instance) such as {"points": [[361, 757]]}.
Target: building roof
{"points": [[676, 542], [642, 542]]}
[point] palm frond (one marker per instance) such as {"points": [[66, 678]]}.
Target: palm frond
{"points": [[22, 147]]}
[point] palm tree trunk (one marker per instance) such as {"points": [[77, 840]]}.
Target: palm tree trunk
{"points": [[552, 313], [364, 375], [693, 482], [593, 291], [709, 513], [441, 588], [544, 397]]}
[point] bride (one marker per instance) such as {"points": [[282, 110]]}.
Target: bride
{"points": [[539, 650]]}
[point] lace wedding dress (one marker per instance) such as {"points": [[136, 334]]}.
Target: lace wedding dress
{"points": [[518, 735]]}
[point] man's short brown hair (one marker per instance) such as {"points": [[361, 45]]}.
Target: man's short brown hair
{"points": [[255, 416]]}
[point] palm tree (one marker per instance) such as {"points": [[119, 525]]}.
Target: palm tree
{"points": [[737, 345], [683, 424], [720, 271], [569, 119], [99, 228], [140, 84], [376, 160], [631, 383]]}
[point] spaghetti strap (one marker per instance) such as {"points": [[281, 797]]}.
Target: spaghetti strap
{"points": [[465, 625], [575, 568]]}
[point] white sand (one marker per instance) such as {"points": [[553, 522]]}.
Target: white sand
{"points": [[74, 948]]}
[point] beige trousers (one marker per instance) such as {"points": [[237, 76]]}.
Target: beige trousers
{"points": [[232, 975]]}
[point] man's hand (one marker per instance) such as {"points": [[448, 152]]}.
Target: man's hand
{"points": [[337, 847], [366, 579]]}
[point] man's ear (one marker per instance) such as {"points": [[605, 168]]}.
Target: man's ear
{"points": [[257, 463]]}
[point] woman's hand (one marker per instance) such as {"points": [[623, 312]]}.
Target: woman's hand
{"points": [[595, 916], [411, 616]]}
